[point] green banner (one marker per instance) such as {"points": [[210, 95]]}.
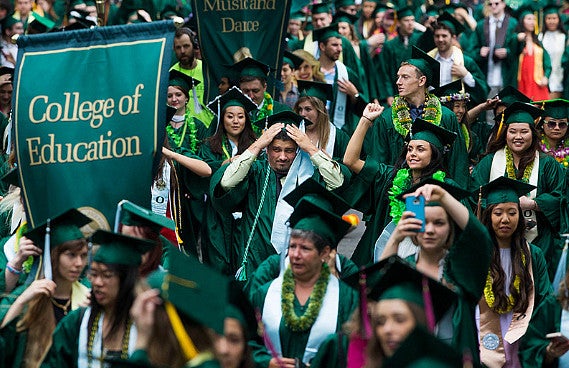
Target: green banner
{"points": [[89, 108], [229, 27]]}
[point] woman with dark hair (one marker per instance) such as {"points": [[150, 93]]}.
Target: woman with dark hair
{"points": [[104, 329], [311, 105], [233, 135], [553, 130], [517, 288], [553, 36], [531, 61], [376, 188], [30, 321], [515, 154]]}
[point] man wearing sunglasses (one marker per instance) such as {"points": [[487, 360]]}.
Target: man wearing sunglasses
{"points": [[554, 129], [490, 46]]}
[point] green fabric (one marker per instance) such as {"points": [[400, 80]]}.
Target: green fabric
{"points": [[270, 268], [245, 197], [353, 111], [332, 353], [294, 343], [134, 215], [550, 191], [387, 145], [119, 249], [13, 344], [64, 350]]}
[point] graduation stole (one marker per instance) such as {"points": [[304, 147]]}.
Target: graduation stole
{"points": [[341, 98], [457, 58], [492, 350], [501, 161], [432, 112], [538, 72]]}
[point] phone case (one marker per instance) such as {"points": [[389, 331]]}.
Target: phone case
{"points": [[417, 206]]}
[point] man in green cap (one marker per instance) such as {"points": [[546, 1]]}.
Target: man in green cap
{"points": [[395, 51], [185, 48], [455, 65], [252, 79], [515, 154], [258, 187], [390, 129], [294, 330], [347, 97]]}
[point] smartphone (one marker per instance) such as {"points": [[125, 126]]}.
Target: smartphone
{"points": [[557, 336], [417, 206]]}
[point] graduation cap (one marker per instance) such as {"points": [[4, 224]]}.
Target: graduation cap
{"points": [[520, 112], [321, 7], [196, 290], [298, 15], [404, 11], [317, 209], [134, 215], [394, 278], [551, 9], [422, 349], [11, 178], [9, 22], [250, 67], [503, 190], [323, 91], [524, 10], [83, 20], [119, 249], [233, 97], [455, 191], [177, 78], [427, 65], [62, 228], [342, 16], [451, 22], [6, 70], [453, 91], [343, 3], [40, 24], [286, 117], [556, 109], [322, 34], [432, 11], [292, 60], [434, 134], [508, 95]]}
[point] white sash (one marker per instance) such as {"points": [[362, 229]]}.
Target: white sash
{"points": [[83, 361], [331, 140], [324, 325], [300, 170], [341, 98], [497, 170]]}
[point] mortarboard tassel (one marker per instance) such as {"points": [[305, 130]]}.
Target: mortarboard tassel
{"points": [[266, 339], [186, 344], [358, 342], [118, 216], [479, 204], [429, 310], [47, 271], [500, 127], [197, 106]]}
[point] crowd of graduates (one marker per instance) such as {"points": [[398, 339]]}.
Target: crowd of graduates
{"points": [[443, 126]]}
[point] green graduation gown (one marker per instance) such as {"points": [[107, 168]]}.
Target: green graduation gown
{"points": [[64, 351], [270, 268], [550, 191], [294, 343], [517, 49], [245, 198], [388, 144], [333, 352]]}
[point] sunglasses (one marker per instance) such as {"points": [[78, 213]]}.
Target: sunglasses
{"points": [[493, 4], [551, 124]]}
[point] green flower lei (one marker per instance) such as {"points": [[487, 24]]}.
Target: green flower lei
{"points": [[402, 182], [432, 112], [304, 322], [466, 135], [265, 111], [179, 138], [512, 171]]}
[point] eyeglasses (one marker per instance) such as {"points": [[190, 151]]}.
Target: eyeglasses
{"points": [[551, 124], [493, 4], [105, 275]]}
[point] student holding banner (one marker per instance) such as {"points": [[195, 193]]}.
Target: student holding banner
{"points": [[104, 329], [35, 313]]}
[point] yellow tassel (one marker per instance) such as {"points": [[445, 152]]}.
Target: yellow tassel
{"points": [[500, 127], [185, 341]]}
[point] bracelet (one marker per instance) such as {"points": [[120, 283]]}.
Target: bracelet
{"points": [[371, 121], [13, 270]]}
